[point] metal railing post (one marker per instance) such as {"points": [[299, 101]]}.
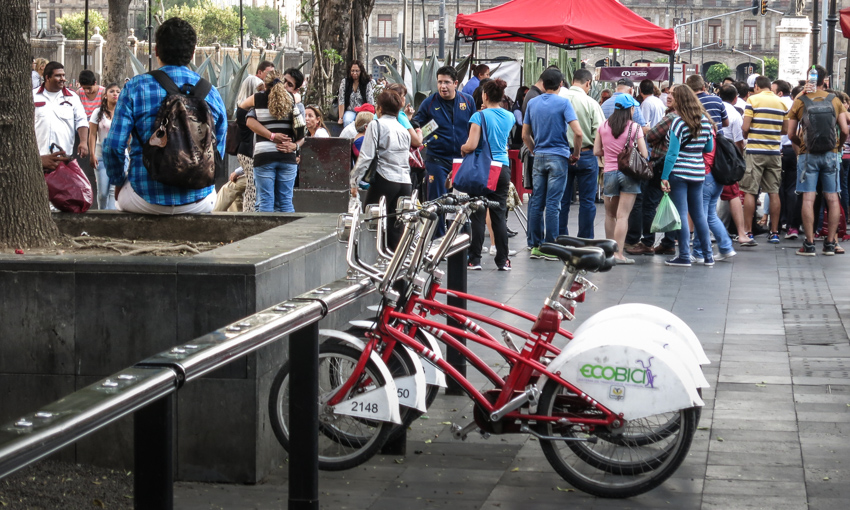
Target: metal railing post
{"points": [[153, 449], [456, 280], [303, 403]]}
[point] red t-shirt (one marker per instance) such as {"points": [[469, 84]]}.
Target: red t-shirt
{"points": [[90, 105]]}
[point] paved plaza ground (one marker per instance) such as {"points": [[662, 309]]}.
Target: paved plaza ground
{"points": [[773, 435]]}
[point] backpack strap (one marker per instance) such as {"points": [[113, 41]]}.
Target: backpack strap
{"points": [[199, 90]]}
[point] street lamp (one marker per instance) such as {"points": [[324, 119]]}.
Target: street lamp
{"points": [[732, 49]]}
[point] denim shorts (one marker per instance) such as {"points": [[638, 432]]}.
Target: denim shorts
{"points": [[811, 167], [616, 182]]}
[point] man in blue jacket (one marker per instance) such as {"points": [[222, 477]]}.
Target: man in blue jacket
{"points": [[451, 110]]}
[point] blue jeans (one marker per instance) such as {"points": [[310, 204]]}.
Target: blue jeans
{"points": [[274, 184], [105, 192], [348, 118], [583, 174], [710, 195], [550, 179], [687, 197]]}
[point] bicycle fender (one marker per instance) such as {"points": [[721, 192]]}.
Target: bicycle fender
{"points": [[380, 403], [637, 378], [668, 320], [433, 375], [665, 338]]}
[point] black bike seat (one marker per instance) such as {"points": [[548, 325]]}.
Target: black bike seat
{"points": [[609, 246], [587, 259]]}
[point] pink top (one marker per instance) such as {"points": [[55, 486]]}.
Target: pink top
{"points": [[612, 146]]}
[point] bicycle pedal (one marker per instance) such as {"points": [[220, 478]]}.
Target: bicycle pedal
{"points": [[461, 433]]}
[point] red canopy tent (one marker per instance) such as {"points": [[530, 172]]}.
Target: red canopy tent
{"points": [[569, 24]]}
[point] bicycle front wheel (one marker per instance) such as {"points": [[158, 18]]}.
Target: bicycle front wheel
{"points": [[616, 466], [344, 441]]}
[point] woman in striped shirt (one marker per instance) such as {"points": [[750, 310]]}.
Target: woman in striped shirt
{"points": [[684, 170], [272, 115]]}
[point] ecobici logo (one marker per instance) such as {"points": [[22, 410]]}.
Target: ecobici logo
{"points": [[628, 375]]}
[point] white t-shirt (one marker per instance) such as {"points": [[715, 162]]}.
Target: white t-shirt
{"points": [[102, 130], [349, 131], [322, 133], [736, 121], [653, 110], [787, 101]]}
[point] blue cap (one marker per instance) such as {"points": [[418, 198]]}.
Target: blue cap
{"points": [[624, 102]]}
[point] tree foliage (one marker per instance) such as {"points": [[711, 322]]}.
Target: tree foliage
{"points": [[771, 67], [73, 25], [212, 23], [261, 22], [717, 73]]}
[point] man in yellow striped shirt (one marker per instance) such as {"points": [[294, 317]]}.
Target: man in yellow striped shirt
{"points": [[763, 117]]}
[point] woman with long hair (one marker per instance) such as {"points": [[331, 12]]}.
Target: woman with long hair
{"points": [[619, 190], [498, 123], [275, 114], [314, 122], [684, 171], [99, 124], [356, 89], [245, 154], [388, 141]]}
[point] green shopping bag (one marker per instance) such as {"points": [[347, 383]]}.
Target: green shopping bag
{"points": [[666, 217]]}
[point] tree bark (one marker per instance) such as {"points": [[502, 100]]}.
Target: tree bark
{"points": [[24, 215], [360, 12], [115, 57]]}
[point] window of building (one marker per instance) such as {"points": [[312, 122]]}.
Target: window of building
{"points": [[433, 26], [750, 33], [41, 22], [385, 26], [714, 31]]}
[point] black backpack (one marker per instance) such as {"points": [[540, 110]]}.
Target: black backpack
{"points": [[819, 125], [729, 165], [182, 150]]}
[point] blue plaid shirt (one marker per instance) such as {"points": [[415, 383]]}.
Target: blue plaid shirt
{"points": [[135, 113]]}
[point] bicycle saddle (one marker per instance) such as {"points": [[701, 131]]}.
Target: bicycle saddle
{"points": [[588, 259], [609, 246]]}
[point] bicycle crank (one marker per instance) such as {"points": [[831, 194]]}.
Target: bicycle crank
{"points": [[589, 439]]}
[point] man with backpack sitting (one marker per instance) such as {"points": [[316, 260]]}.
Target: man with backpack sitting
{"points": [[177, 122], [819, 158]]}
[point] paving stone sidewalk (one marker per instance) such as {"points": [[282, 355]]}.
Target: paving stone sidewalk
{"points": [[773, 434]]}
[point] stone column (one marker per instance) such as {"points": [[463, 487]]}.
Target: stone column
{"points": [[97, 41], [738, 36], [133, 42], [762, 30], [795, 39], [60, 48], [727, 32]]}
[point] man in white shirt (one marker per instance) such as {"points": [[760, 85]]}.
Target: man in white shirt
{"points": [[728, 94], [650, 106], [58, 113]]}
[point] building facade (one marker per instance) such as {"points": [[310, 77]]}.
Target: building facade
{"points": [[733, 26]]}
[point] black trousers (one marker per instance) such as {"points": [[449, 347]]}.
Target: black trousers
{"points": [[790, 211], [381, 187], [497, 220]]}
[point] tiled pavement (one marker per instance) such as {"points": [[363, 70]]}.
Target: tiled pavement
{"points": [[773, 433]]}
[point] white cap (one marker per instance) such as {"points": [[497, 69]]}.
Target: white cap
{"points": [[751, 80]]}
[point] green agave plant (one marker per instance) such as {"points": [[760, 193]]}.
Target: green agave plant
{"points": [[226, 77], [424, 80]]}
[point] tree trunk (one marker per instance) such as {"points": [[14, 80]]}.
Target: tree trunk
{"points": [[334, 25], [115, 58], [360, 12], [24, 216]]}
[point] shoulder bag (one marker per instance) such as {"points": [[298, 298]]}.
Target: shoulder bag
{"points": [[369, 176], [477, 174], [631, 162]]}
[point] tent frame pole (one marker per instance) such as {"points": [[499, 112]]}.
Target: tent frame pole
{"points": [[672, 59]]}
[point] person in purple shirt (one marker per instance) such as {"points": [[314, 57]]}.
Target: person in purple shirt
{"points": [[544, 132], [479, 72]]}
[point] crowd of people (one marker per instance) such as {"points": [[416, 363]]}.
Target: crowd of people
{"points": [[570, 144]]}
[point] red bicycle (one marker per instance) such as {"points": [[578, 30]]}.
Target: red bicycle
{"points": [[625, 446]]}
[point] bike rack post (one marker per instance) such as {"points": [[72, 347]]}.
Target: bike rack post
{"points": [[456, 280], [153, 450], [304, 441]]}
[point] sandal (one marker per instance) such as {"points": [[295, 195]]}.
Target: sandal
{"points": [[838, 249]]}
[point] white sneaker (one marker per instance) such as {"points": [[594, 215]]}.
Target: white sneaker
{"points": [[511, 253]]}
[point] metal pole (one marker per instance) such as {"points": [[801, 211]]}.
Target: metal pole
{"points": [[442, 48], [702, 51], [831, 20], [403, 39], [815, 32], [150, 34], [153, 451], [304, 403], [456, 280], [242, 31], [691, 49], [671, 58], [847, 71], [412, 27], [86, 38]]}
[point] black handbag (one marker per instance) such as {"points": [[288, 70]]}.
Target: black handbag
{"points": [[631, 162]]}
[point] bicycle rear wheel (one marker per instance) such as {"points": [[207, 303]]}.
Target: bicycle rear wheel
{"points": [[617, 466], [344, 441]]}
